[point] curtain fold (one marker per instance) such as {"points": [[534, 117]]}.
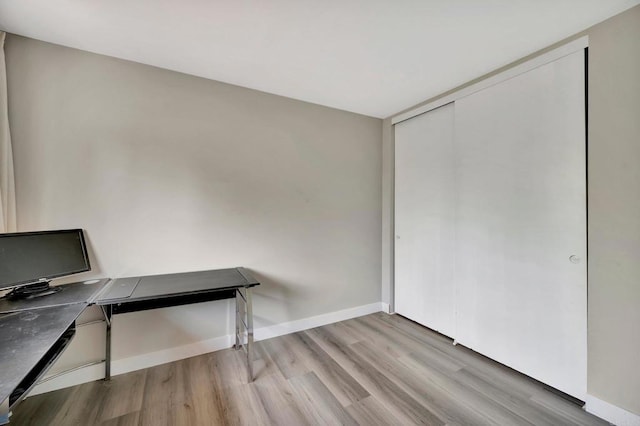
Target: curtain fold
{"points": [[7, 183]]}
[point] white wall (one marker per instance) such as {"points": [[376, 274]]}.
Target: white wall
{"points": [[168, 172]]}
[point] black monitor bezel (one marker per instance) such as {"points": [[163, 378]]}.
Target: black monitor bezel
{"points": [[83, 244]]}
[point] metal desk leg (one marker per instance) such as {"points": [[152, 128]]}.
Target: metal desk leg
{"points": [[249, 333], [107, 311], [238, 300], [244, 317]]}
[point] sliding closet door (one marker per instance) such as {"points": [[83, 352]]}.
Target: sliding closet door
{"points": [[521, 218], [424, 219]]}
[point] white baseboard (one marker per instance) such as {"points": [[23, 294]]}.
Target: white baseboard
{"points": [[83, 375], [164, 356], [125, 365], [138, 362], [315, 321], [386, 308], [611, 413]]}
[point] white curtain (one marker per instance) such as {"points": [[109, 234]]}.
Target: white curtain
{"points": [[7, 184]]}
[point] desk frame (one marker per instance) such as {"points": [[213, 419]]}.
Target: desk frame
{"points": [[246, 320], [48, 340], [243, 317]]}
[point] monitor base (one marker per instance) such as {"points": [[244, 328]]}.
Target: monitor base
{"points": [[31, 291]]}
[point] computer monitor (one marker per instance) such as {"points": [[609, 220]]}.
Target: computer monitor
{"points": [[30, 260]]}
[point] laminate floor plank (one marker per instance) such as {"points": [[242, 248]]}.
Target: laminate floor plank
{"points": [[280, 402], [173, 413], [484, 409], [167, 398], [511, 401], [411, 345], [438, 397], [133, 384], [200, 400], [319, 404], [164, 385], [245, 407], [565, 410], [232, 396], [129, 419], [470, 359], [499, 375], [405, 408], [83, 406], [345, 333], [342, 385], [383, 332], [371, 412], [378, 369], [227, 369], [31, 409], [369, 334], [289, 362]]}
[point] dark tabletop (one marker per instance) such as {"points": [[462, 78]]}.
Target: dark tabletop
{"points": [[133, 289], [25, 337], [81, 292]]}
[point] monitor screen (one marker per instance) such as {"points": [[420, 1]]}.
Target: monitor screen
{"points": [[27, 257]]}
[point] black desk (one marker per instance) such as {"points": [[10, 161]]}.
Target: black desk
{"points": [[33, 334], [158, 291]]}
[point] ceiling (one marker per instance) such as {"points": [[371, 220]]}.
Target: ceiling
{"points": [[373, 57]]}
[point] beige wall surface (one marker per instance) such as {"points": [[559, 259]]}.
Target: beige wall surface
{"points": [[167, 172], [614, 210], [613, 207]]}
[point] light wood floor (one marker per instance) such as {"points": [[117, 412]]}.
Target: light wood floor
{"points": [[375, 370]]}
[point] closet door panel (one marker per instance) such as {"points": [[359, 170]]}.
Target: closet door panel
{"points": [[521, 223], [424, 219]]}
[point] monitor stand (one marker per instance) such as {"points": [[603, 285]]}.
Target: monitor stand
{"points": [[30, 291]]}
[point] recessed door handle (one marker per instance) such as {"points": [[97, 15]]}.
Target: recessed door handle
{"points": [[574, 259]]}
